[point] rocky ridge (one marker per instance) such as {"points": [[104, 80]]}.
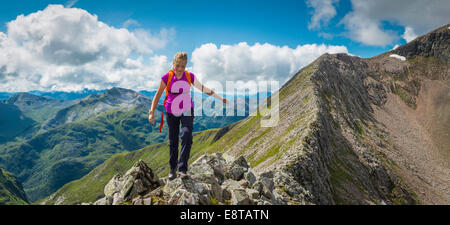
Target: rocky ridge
{"points": [[213, 179]]}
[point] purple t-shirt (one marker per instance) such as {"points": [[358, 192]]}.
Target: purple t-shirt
{"points": [[178, 86]]}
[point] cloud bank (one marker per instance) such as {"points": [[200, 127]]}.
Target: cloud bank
{"points": [[323, 12], [69, 49], [366, 23], [245, 64]]}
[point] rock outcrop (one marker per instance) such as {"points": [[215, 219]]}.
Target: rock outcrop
{"points": [[213, 179], [138, 180]]}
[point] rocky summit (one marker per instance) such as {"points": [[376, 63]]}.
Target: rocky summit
{"points": [[213, 179]]}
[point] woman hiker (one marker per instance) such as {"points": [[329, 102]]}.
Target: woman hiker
{"points": [[177, 92]]}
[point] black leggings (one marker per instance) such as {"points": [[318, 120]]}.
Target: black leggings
{"points": [[187, 124]]}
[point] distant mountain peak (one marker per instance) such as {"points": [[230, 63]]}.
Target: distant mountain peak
{"points": [[26, 98], [435, 43], [122, 93], [93, 104], [119, 89]]}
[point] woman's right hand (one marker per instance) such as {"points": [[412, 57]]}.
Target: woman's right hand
{"points": [[151, 118]]}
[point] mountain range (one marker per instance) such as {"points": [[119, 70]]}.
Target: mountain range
{"points": [[350, 131]]}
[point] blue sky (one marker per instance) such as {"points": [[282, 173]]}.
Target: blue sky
{"points": [[203, 21], [232, 39]]}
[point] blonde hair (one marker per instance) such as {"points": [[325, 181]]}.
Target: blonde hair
{"points": [[180, 56]]}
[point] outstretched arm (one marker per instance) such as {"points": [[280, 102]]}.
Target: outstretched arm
{"points": [[208, 91]]}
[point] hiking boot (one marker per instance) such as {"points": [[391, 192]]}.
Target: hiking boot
{"points": [[172, 174], [183, 174]]}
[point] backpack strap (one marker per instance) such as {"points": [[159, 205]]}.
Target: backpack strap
{"points": [[188, 76], [169, 80]]}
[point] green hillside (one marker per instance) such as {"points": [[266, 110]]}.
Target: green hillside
{"points": [[11, 192], [13, 122], [52, 158]]}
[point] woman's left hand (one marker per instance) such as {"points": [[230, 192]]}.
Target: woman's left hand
{"points": [[225, 101]]}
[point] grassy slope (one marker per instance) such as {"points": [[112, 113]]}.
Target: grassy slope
{"points": [[11, 192], [12, 121], [53, 158]]}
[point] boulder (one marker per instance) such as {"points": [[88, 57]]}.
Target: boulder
{"points": [[213, 179], [136, 181], [240, 197]]}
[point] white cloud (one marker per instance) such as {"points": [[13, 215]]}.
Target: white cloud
{"points": [[155, 41], [365, 22], [325, 35], [69, 49], [409, 34], [130, 22], [324, 11], [70, 3], [366, 31], [254, 63]]}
